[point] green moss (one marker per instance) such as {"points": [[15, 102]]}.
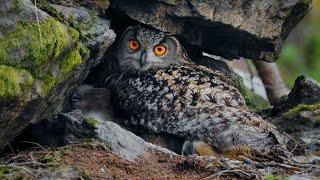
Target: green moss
{"points": [[94, 19], [14, 81], [74, 34], [301, 107], [3, 171], [85, 52], [253, 101], [71, 60], [270, 176], [38, 49], [18, 5], [37, 45], [55, 157], [91, 121], [317, 120], [70, 20], [256, 102], [52, 11], [48, 82]]}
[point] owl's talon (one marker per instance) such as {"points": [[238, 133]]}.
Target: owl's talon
{"points": [[197, 147]]}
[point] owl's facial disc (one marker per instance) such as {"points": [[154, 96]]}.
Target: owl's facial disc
{"points": [[141, 49], [146, 58]]}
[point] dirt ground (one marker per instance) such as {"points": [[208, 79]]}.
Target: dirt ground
{"points": [[88, 161], [104, 164], [93, 160]]}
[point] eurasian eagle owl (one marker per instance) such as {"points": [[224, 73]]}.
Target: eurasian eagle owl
{"points": [[159, 89]]}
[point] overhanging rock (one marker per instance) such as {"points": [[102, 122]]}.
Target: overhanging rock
{"points": [[252, 29]]}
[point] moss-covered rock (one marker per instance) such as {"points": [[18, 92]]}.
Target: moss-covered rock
{"points": [[300, 107], [39, 47], [31, 45], [93, 29], [42, 60], [72, 59], [13, 82]]}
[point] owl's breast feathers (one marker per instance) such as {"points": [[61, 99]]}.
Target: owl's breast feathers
{"points": [[194, 102]]}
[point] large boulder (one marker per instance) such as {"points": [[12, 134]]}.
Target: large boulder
{"points": [[305, 91], [245, 28], [41, 62]]}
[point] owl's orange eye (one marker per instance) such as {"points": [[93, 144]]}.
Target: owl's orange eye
{"points": [[134, 44], [159, 50]]}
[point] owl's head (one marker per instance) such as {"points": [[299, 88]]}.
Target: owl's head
{"points": [[140, 49]]}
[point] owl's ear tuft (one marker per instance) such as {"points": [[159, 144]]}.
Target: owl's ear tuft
{"points": [[174, 39]]}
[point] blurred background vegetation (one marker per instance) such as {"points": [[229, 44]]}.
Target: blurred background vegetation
{"points": [[301, 51]]}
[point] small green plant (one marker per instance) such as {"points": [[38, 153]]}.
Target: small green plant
{"points": [[91, 121], [4, 170], [270, 176]]}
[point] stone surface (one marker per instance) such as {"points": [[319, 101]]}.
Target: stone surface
{"points": [[251, 29], [304, 91], [42, 61], [72, 127], [95, 29], [99, 5]]}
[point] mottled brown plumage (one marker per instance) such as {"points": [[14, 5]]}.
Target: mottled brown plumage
{"points": [[193, 102]]}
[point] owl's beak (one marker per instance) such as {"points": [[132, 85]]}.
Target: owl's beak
{"points": [[143, 59]]}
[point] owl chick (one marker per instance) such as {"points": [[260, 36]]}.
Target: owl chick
{"points": [[161, 90]]}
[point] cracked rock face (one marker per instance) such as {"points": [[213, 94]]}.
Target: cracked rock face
{"points": [[246, 28]]}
